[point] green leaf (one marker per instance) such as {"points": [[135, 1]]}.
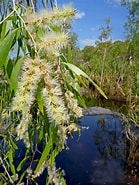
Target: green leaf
{"points": [[13, 144], [9, 67], [15, 73], [53, 156], [79, 72], [75, 92], [5, 46], [10, 156], [63, 58], [44, 155], [69, 55], [3, 30], [63, 181], [21, 164], [4, 177], [41, 134], [22, 176]]}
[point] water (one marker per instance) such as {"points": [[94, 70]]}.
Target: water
{"points": [[99, 155]]}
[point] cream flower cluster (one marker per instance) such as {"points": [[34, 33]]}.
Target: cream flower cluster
{"points": [[27, 86], [56, 16], [54, 175], [52, 43], [72, 104], [53, 98], [45, 68]]}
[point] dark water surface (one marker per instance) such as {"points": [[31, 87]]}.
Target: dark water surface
{"points": [[99, 155]]}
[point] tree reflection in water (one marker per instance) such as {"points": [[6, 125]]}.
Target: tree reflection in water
{"points": [[99, 155], [108, 137]]}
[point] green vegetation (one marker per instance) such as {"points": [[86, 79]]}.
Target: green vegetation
{"points": [[113, 66], [39, 90], [40, 84]]}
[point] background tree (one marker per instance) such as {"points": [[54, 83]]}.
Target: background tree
{"points": [[113, 65]]}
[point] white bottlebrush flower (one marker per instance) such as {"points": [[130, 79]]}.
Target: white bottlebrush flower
{"points": [[25, 94], [52, 43], [73, 105], [62, 133], [54, 175], [22, 128], [56, 16], [53, 97], [32, 18], [55, 108]]}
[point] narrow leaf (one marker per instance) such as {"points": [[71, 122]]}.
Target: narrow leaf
{"points": [[79, 72], [44, 155], [21, 177], [15, 73], [3, 30], [21, 164], [9, 67], [5, 46], [10, 156], [13, 144], [69, 55]]}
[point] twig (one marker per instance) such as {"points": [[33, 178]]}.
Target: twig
{"points": [[34, 43], [33, 7], [6, 170], [7, 17]]}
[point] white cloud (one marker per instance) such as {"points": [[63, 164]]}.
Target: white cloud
{"points": [[118, 1], [112, 2], [92, 42], [79, 15], [87, 42], [95, 28]]}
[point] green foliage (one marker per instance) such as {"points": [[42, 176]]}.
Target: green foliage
{"points": [[79, 72], [15, 73], [5, 47], [112, 66], [39, 90]]}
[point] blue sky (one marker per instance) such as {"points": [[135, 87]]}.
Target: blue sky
{"points": [[91, 16]]}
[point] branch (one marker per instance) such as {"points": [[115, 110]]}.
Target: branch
{"points": [[34, 43], [7, 17], [11, 180]]}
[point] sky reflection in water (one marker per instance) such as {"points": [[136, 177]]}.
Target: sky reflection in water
{"points": [[98, 156]]}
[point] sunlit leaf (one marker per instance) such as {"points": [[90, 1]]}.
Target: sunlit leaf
{"points": [[21, 164], [21, 177], [5, 46], [76, 93], [15, 73], [53, 155], [13, 144], [10, 156], [63, 181], [3, 30], [69, 55], [9, 67], [79, 72], [44, 155], [41, 134]]}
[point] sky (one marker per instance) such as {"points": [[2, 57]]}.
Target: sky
{"points": [[91, 16]]}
